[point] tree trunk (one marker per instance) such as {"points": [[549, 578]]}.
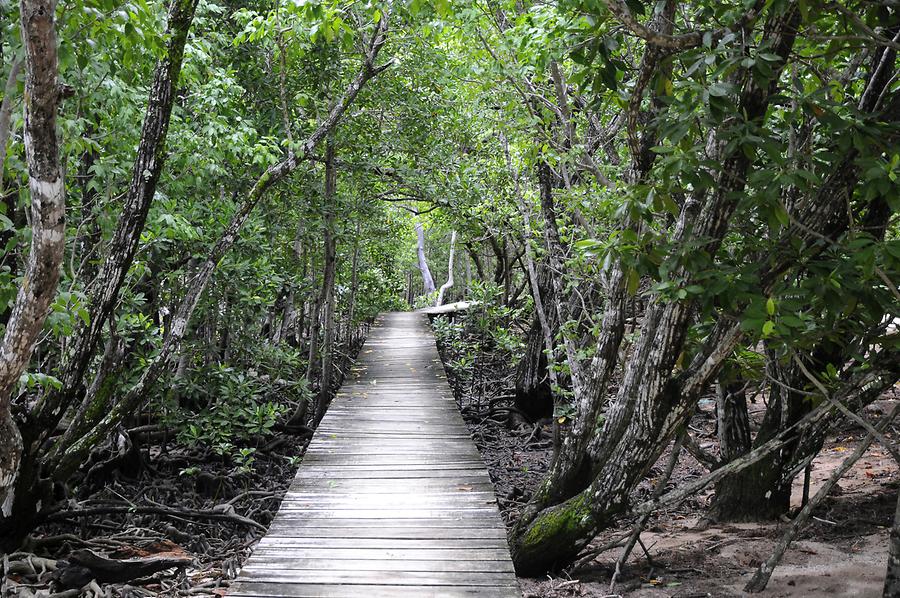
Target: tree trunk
{"points": [[289, 311], [533, 384], [328, 285], [354, 281], [892, 579], [48, 211], [427, 280], [449, 283], [760, 492], [534, 379], [6, 107]]}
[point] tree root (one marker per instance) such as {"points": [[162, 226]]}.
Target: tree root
{"points": [[213, 515]]}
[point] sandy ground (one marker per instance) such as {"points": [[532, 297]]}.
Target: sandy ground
{"points": [[843, 552]]}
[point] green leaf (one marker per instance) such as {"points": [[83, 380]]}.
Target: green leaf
{"points": [[781, 215], [634, 279]]}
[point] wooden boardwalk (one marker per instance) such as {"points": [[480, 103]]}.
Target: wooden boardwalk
{"points": [[392, 498]]}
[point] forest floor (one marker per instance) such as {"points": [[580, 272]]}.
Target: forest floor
{"points": [[209, 518], [843, 552], [156, 500]]}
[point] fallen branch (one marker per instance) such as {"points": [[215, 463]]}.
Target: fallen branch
{"points": [[108, 570]]}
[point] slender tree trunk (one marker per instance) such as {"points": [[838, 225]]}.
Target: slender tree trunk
{"points": [[534, 378], [354, 281], [449, 283], [289, 313], [6, 108], [427, 280], [328, 285], [48, 231], [91, 237], [315, 322], [892, 578]]}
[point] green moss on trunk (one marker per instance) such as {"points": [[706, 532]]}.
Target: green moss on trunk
{"points": [[557, 535]]}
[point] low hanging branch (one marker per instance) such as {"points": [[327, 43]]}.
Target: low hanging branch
{"points": [[70, 457]]}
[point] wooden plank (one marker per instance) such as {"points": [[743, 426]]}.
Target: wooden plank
{"points": [[356, 529], [270, 590], [375, 577], [275, 541], [317, 520], [413, 554], [287, 564], [392, 498]]}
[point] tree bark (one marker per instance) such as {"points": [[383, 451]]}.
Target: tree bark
{"points": [[48, 211]]}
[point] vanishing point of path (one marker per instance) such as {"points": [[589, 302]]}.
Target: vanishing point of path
{"points": [[392, 498]]}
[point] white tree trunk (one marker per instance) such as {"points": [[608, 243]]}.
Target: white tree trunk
{"points": [[427, 280], [449, 283]]}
